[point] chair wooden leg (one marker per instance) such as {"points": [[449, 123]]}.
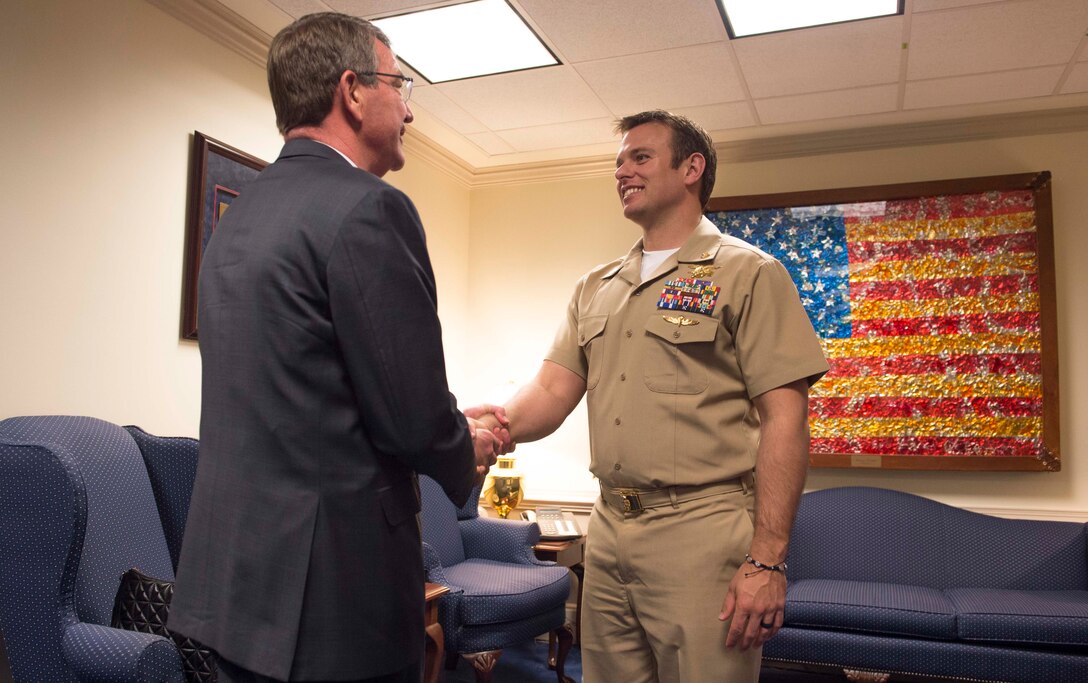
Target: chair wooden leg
{"points": [[564, 635], [434, 650], [484, 664]]}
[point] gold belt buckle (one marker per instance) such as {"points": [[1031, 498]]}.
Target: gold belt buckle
{"points": [[631, 502]]}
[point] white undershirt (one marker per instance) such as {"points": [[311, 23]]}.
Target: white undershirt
{"points": [[651, 260]]}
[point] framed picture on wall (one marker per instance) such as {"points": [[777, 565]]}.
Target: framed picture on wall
{"points": [[935, 305], [217, 175]]}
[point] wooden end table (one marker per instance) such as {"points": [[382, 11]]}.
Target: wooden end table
{"points": [[570, 554], [434, 640]]}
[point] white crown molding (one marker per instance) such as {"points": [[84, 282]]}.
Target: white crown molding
{"points": [[230, 29], [423, 148], [906, 135], [221, 24]]}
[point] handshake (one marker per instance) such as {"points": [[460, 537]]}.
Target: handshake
{"points": [[490, 430]]}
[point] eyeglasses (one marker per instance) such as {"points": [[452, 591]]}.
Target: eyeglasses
{"points": [[405, 87]]}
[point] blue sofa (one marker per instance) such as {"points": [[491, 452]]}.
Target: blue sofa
{"points": [[884, 582]]}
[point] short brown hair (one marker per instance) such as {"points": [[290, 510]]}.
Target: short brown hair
{"points": [[306, 59], [687, 139]]}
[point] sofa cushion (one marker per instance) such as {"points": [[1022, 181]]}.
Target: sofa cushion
{"points": [[874, 607], [1036, 617]]}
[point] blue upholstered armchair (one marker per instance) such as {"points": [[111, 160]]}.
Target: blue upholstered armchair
{"points": [[81, 501], [500, 594]]}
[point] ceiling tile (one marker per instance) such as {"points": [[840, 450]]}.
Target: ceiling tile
{"points": [[835, 57], [431, 98], [1078, 79], [995, 37], [571, 134], [582, 31], [714, 117], [373, 8], [684, 77], [827, 105], [297, 8], [491, 143], [1006, 85], [526, 98]]}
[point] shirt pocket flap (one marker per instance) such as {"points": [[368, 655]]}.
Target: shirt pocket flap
{"points": [[677, 328], [590, 327]]}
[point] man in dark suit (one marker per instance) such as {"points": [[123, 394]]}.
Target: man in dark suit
{"points": [[324, 387]]}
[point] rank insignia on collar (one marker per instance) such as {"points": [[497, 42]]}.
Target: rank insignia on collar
{"points": [[703, 271], [689, 294], [679, 320]]}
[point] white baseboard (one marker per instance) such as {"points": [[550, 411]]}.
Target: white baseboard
{"points": [[1021, 513]]}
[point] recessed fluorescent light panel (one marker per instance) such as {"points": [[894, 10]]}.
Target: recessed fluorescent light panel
{"points": [[465, 40], [753, 17]]}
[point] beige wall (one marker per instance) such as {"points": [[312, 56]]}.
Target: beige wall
{"points": [[99, 101], [548, 234]]}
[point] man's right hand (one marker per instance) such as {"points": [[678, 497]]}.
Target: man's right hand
{"points": [[494, 418], [486, 445]]}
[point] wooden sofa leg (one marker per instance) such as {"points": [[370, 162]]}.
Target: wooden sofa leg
{"points": [[483, 663], [564, 635], [865, 676]]}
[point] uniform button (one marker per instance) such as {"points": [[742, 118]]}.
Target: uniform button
{"points": [[582, 338], [676, 334], [617, 467], [638, 293], [628, 333], [617, 420], [623, 376]]}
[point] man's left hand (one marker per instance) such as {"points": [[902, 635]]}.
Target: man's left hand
{"points": [[755, 602]]}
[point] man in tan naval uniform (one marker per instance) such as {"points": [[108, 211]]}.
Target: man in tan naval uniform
{"points": [[697, 356]]}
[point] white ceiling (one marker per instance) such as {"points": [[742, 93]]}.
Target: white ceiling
{"points": [[944, 60]]}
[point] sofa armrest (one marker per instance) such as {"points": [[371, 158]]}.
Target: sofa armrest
{"points": [[102, 653], [500, 540]]}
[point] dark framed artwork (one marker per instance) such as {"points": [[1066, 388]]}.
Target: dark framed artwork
{"points": [[935, 305], [217, 175]]}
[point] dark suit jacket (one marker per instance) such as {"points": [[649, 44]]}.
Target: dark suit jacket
{"points": [[324, 392]]}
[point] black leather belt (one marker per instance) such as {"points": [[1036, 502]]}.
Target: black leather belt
{"points": [[629, 500]]}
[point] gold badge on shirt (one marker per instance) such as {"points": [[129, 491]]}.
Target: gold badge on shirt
{"points": [[703, 271], [680, 320]]}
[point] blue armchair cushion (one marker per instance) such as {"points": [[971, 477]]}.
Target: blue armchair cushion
{"points": [[886, 608], [492, 591], [1036, 617]]}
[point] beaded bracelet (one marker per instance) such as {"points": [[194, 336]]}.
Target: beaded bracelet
{"points": [[760, 567]]}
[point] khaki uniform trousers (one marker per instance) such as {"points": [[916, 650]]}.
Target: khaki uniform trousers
{"points": [[654, 586]]}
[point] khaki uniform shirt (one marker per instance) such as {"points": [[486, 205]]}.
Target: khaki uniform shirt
{"points": [[670, 390]]}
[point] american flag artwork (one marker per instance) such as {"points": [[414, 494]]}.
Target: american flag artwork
{"points": [[928, 309]]}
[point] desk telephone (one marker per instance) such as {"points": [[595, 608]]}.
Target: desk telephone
{"points": [[554, 524]]}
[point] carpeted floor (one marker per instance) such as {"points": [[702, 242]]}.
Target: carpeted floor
{"points": [[524, 663], [527, 663]]}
